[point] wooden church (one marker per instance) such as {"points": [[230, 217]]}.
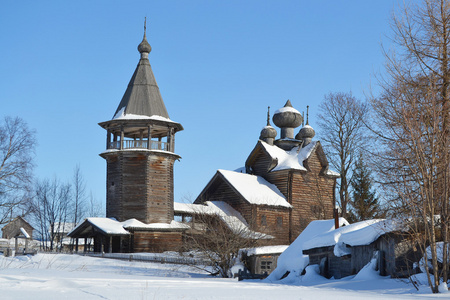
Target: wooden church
{"points": [[286, 182]]}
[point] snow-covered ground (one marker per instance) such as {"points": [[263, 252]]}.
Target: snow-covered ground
{"points": [[60, 276]]}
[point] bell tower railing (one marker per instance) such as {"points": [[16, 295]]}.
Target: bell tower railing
{"points": [[138, 144]]}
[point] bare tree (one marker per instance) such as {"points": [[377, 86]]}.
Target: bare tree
{"points": [[341, 122], [219, 242], [51, 210], [17, 145], [79, 195], [413, 121], [95, 209]]}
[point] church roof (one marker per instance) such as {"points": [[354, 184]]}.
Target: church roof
{"points": [[231, 217], [142, 96], [253, 189], [293, 159]]}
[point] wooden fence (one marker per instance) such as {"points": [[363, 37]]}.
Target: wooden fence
{"points": [[164, 259]]}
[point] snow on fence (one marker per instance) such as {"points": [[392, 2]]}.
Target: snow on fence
{"points": [[151, 257]]}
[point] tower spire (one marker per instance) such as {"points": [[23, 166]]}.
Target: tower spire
{"points": [[144, 47], [268, 115]]}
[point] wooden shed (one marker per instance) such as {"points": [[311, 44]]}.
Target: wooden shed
{"points": [[262, 260], [13, 228], [108, 235], [18, 229], [345, 251], [131, 235]]}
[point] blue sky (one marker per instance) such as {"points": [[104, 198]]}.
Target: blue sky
{"points": [[66, 64]]}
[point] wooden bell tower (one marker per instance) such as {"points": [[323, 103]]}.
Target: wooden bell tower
{"points": [[140, 150]]}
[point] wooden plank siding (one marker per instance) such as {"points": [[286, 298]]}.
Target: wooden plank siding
{"points": [[114, 186], [148, 241], [222, 191], [274, 221], [12, 229], [311, 195], [281, 180], [261, 164], [140, 185]]}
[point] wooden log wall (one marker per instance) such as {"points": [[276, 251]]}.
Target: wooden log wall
{"points": [[146, 241], [226, 194], [140, 185], [12, 229], [114, 187], [312, 196], [160, 189], [273, 221]]}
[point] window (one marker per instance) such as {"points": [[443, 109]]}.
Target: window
{"points": [[266, 265], [279, 222], [263, 220]]}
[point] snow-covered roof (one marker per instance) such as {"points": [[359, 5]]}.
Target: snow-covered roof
{"points": [[120, 115], [136, 224], [231, 217], [292, 259], [356, 234], [107, 225], [292, 159], [24, 232], [187, 208], [285, 109], [234, 220], [114, 227], [266, 250], [255, 189]]}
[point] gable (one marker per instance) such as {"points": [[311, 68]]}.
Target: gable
{"points": [[250, 188], [259, 161], [318, 157]]}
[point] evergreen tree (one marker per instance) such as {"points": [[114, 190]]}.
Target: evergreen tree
{"points": [[364, 202]]}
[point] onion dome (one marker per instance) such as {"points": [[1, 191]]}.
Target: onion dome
{"points": [[307, 132], [268, 132], [144, 46], [287, 117]]}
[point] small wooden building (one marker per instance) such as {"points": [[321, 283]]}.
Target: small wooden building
{"points": [[18, 229], [262, 260], [354, 246], [112, 236], [13, 228]]}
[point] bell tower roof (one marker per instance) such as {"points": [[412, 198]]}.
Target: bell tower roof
{"points": [[142, 97]]}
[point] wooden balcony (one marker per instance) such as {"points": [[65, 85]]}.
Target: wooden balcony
{"points": [[138, 144]]}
